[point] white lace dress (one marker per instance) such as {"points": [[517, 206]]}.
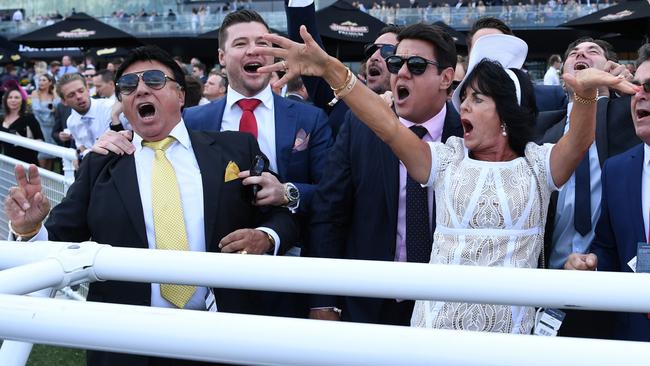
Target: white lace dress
{"points": [[487, 214]]}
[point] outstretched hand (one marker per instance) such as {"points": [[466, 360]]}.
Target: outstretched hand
{"points": [[584, 82], [26, 206], [297, 58]]}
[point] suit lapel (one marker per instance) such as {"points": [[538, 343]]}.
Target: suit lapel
{"points": [[126, 182], [451, 126], [221, 107], [601, 130], [286, 122], [634, 187], [390, 176], [212, 170]]}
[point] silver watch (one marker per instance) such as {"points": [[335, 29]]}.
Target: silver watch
{"points": [[291, 195]]}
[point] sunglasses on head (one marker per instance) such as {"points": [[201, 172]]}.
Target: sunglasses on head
{"points": [[416, 65], [385, 50], [154, 79]]}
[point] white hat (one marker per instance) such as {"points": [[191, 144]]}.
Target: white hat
{"points": [[509, 51]]}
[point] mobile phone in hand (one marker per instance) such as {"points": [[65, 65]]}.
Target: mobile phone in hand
{"points": [[256, 170]]}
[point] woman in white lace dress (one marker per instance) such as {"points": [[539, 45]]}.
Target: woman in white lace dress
{"points": [[492, 187]]}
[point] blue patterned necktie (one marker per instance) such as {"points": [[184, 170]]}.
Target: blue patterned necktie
{"points": [[418, 233], [582, 205]]}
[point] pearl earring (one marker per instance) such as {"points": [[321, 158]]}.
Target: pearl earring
{"points": [[503, 130]]}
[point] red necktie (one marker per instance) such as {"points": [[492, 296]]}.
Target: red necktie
{"points": [[248, 123]]}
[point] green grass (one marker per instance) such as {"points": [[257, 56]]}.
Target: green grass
{"points": [[55, 356], [51, 356]]}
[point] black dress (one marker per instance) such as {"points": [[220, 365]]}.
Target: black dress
{"points": [[21, 126]]}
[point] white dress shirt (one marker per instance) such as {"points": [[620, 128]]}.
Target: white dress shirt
{"points": [[645, 191], [87, 128], [265, 116]]}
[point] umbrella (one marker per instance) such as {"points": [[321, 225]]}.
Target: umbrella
{"points": [[78, 30], [345, 30], [630, 18]]}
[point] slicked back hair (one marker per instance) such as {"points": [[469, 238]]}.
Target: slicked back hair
{"points": [[236, 17], [607, 47], [644, 55], [443, 45], [66, 79], [152, 53]]}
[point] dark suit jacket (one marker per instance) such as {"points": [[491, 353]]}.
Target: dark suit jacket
{"points": [[619, 229], [550, 97], [303, 168], [104, 205], [614, 134], [355, 206]]}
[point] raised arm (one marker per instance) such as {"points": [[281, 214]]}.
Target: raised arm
{"points": [[570, 149], [310, 59]]}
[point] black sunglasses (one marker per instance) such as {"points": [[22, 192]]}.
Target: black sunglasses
{"points": [[417, 65], [385, 50], [645, 86], [155, 79]]}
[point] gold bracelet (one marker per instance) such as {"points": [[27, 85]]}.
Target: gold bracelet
{"points": [[29, 234], [348, 77], [347, 88], [272, 241], [583, 100]]}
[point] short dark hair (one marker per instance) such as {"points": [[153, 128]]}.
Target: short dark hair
{"points": [[553, 59], [390, 28], [199, 66], [152, 53], [644, 55], [607, 47], [236, 17], [193, 91], [443, 45], [107, 75], [68, 78], [295, 84], [23, 103], [491, 79], [487, 22]]}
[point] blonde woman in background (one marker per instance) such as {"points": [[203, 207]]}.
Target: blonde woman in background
{"points": [[44, 102]]}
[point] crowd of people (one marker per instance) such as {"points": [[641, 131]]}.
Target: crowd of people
{"points": [[416, 163]]}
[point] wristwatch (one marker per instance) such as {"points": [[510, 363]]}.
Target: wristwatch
{"points": [[291, 195]]}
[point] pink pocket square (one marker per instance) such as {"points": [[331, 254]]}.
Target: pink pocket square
{"points": [[302, 141]]}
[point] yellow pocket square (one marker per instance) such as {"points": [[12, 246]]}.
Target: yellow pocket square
{"points": [[231, 172]]}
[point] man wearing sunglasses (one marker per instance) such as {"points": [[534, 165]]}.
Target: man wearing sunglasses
{"points": [[123, 199], [302, 12], [624, 223], [90, 117], [360, 207]]}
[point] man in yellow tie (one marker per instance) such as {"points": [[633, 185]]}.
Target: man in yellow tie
{"points": [[149, 199]]}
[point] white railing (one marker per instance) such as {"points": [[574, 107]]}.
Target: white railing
{"points": [[278, 341], [66, 154]]}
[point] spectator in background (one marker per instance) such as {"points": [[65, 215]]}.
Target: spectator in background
{"points": [[296, 90], [193, 91], [198, 71], [66, 66], [552, 76], [89, 74], [104, 84], [89, 117], [17, 16], [18, 121], [215, 87], [44, 103], [54, 69]]}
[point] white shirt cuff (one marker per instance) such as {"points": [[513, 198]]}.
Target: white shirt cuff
{"points": [[275, 236]]}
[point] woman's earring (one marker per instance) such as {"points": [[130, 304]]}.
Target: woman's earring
{"points": [[503, 130]]}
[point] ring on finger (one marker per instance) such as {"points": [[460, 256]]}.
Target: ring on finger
{"points": [[284, 65], [243, 252]]}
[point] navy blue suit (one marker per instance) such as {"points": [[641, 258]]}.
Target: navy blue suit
{"points": [[619, 229], [355, 208], [302, 168]]}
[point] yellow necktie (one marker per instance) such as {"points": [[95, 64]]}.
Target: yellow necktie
{"points": [[168, 221]]}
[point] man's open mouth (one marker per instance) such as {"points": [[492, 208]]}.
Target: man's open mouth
{"points": [[581, 65], [642, 113], [402, 93], [146, 110], [374, 71], [252, 67]]}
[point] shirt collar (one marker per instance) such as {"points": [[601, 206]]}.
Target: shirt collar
{"points": [[266, 96], [179, 132], [646, 156], [433, 125]]}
